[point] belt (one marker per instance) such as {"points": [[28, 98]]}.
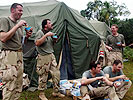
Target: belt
{"points": [[20, 50]]}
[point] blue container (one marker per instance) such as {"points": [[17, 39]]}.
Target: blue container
{"points": [[118, 42], [55, 37], [27, 28], [126, 80]]}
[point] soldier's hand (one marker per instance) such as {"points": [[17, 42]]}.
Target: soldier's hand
{"points": [[49, 34], [99, 78], [110, 48], [21, 23], [117, 84], [122, 76]]}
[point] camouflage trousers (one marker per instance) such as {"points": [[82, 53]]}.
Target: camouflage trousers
{"points": [[45, 64], [123, 88], [100, 92], [112, 56], [11, 73]]}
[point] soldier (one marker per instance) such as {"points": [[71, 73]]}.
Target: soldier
{"points": [[115, 73], [94, 78], [115, 44], [46, 60], [11, 70]]}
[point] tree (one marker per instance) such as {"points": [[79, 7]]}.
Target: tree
{"points": [[126, 28], [105, 12], [93, 9]]}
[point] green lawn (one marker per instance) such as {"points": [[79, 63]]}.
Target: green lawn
{"points": [[128, 70]]}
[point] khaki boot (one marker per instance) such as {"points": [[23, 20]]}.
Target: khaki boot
{"points": [[58, 94], [42, 96], [86, 97]]}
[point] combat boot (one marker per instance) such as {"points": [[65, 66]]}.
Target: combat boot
{"points": [[42, 96], [58, 94], [86, 97]]}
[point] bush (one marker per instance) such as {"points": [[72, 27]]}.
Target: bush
{"points": [[128, 53]]}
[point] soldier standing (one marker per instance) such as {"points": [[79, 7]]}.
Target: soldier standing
{"points": [[46, 60], [11, 70]]}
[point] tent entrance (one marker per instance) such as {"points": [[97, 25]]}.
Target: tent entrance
{"points": [[66, 69]]}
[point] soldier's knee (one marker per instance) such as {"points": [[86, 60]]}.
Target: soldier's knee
{"points": [[129, 83], [9, 74]]}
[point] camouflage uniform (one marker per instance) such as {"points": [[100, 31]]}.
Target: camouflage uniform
{"points": [[112, 56], [100, 92], [124, 87], [94, 90], [11, 70], [103, 54], [46, 62], [116, 52]]}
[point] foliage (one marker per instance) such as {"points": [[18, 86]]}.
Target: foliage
{"points": [[26, 95], [104, 11], [126, 28], [128, 53]]}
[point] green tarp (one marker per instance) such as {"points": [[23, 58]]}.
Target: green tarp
{"points": [[101, 27], [83, 38]]}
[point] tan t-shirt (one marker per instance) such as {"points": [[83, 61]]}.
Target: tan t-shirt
{"points": [[113, 40], [14, 43], [47, 46]]}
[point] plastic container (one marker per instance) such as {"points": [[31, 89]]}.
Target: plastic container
{"points": [[76, 92], [126, 81], [55, 36], [118, 84], [118, 43], [28, 29]]}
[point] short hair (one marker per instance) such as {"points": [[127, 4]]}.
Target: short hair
{"points": [[115, 25], [44, 22], [94, 64], [14, 5], [116, 62]]}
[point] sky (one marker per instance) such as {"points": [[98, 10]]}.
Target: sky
{"points": [[75, 4]]}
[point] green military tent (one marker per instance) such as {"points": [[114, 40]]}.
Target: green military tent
{"points": [[76, 34], [101, 27]]}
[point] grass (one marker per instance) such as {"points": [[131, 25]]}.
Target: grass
{"points": [[34, 95], [128, 70]]}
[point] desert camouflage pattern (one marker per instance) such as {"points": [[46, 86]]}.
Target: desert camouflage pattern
{"points": [[112, 56], [11, 73], [100, 92], [45, 64], [103, 60], [123, 88]]}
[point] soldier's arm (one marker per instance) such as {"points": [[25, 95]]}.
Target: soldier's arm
{"points": [[115, 78], [85, 81], [43, 38], [4, 36]]}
